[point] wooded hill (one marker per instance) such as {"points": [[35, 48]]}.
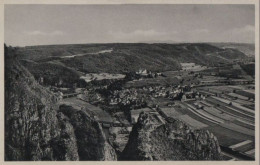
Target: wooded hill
{"points": [[130, 56]]}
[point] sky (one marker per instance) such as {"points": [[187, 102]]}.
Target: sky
{"points": [[27, 25]]}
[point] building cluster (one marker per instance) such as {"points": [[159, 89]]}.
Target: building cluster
{"points": [[127, 97], [139, 96], [148, 74]]}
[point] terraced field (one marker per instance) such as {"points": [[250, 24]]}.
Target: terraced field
{"points": [[227, 137], [171, 112], [236, 105], [219, 114], [230, 109], [195, 116], [231, 124], [192, 122]]}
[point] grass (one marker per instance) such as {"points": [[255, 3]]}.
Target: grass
{"points": [[239, 129], [152, 82], [171, 112], [192, 122], [101, 114], [227, 137], [194, 116]]}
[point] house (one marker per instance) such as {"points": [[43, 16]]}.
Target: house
{"points": [[142, 72], [184, 98]]}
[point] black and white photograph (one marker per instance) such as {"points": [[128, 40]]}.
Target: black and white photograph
{"points": [[131, 82]]}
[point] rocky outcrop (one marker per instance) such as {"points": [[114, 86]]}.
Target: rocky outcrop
{"points": [[36, 130], [30, 116], [65, 145], [170, 141], [91, 140]]}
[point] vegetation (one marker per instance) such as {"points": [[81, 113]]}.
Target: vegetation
{"points": [[249, 68], [129, 57], [54, 74], [246, 48]]}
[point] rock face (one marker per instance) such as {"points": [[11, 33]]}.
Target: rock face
{"points": [[35, 128], [91, 140], [30, 116], [170, 141], [65, 145]]}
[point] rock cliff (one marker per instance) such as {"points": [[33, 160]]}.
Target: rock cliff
{"points": [[91, 140], [170, 141], [35, 128], [30, 116]]}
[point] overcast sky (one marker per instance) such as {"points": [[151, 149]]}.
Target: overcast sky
{"points": [[72, 24]]}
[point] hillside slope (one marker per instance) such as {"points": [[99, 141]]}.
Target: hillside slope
{"points": [[118, 58], [53, 73], [170, 141], [247, 49]]}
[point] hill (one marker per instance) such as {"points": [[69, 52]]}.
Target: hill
{"points": [[124, 57], [53, 73], [247, 49]]}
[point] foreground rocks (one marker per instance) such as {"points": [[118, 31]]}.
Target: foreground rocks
{"points": [[30, 116], [35, 128], [170, 141], [91, 140]]}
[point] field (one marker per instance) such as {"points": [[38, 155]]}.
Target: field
{"points": [[237, 96], [227, 137], [230, 124], [247, 93], [219, 114], [82, 105], [185, 111], [236, 106], [192, 122], [227, 133], [192, 67], [152, 82], [101, 76]]}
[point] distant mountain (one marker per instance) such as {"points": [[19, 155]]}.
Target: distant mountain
{"points": [[122, 57], [159, 41]]}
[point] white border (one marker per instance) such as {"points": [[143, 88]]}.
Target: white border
{"points": [[256, 2]]}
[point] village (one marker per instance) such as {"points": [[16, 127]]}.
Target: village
{"points": [[204, 98]]}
